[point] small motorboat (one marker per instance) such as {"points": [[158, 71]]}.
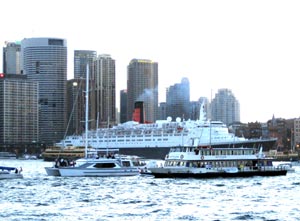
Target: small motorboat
{"points": [[10, 173]]}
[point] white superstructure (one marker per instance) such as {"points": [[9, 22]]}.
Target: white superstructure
{"points": [[162, 134]]}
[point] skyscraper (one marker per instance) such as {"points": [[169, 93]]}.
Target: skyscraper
{"points": [[142, 85], [104, 90], [81, 59], [11, 58], [178, 100], [45, 60], [225, 107], [18, 111], [76, 91]]}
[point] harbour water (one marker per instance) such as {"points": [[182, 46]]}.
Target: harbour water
{"points": [[41, 197]]}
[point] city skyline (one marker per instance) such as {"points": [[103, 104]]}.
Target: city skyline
{"points": [[250, 48]]}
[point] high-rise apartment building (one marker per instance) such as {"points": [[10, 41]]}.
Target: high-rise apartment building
{"points": [[44, 60], [11, 58], [142, 85], [178, 100], [225, 107], [104, 91], [81, 59], [18, 111]]}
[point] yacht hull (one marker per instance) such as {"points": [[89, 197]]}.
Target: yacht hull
{"points": [[75, 172], [52, 171]]}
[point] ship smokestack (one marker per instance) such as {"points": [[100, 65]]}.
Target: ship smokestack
{"points": [[138, 113]]}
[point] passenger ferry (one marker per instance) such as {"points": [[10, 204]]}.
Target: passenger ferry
{"points": [[203, 162]]}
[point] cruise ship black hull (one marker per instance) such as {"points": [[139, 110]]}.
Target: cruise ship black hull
{"points": [[161, 152]]}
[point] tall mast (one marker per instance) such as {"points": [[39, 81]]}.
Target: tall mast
{"points": [[86, 109]]}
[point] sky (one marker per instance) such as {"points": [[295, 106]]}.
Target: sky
{"points": [[251, 47]]}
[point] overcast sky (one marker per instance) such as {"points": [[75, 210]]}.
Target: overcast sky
{"points": [[250, 47]]}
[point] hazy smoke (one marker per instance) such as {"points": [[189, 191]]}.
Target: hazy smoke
{"points": [[147, 94]]}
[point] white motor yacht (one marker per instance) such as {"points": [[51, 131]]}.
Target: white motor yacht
{"points": [[101, 167]]}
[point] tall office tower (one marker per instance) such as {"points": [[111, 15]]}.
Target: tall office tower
{"points": [[123, 106], [18, 111], [225, 107], [11, 58], [142, 85], [81, 59], [76, 92], [104, 91], [178, 100], [45, 60]]}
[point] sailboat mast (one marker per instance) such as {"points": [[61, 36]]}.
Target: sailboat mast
{"points": [[86, 109]]}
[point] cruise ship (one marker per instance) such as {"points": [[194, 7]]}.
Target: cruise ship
{"points": [[154, 140]]}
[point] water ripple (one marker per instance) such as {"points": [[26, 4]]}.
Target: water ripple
{"points": [[40, 197]]}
